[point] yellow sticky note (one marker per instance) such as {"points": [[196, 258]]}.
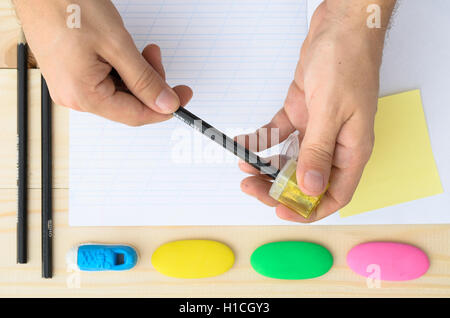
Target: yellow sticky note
{"points": [[402, 166]]}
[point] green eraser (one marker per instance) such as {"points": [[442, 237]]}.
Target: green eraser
{"points": [[291, 260]]}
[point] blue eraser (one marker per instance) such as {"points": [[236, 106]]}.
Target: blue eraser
{"points": [[98, 257]]}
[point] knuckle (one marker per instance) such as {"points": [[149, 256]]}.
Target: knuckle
{"points": [[115, 42], [57, 99], [318, 153], [68, 98], [103, 91], [55, 94], [146, 80], [81, 99], [345, 200], [342, 200], [138, 118], [365, 150]]}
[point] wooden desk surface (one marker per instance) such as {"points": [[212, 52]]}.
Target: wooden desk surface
{"points": [[144, 281]]}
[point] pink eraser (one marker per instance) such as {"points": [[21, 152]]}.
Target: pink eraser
{"points": [[388, 261]]}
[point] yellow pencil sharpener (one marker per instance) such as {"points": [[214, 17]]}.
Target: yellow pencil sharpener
{"points": [[285, 189]]}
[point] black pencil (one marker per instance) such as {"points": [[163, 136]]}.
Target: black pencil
{"points": [[46, 160], [22, 136], [226, 142]]}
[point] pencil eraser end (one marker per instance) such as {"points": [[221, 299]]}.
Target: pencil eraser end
{"points": [[71, 257]]}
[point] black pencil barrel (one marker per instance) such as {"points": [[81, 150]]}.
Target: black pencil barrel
{"points": [[226, 142], [47, 221], [22, 145]]}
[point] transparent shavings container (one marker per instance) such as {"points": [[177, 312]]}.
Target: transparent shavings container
{"points": [[285, 189]]}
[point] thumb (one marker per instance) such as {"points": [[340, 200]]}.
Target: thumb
{"points": [[143, 81], [316, 155]]}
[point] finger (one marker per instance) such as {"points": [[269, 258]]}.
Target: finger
{"points": [[141, 78], [126, 108], [121, 106], [337, 196], [344, 182], [355, 141], [295, 105], [327, 206], [316, 153], [349, 162], [293, 116], [152, 54], [247, 168], [352, 152], [271, 134], [259, 189], [287, 214], [277, 161], [184, 93]]}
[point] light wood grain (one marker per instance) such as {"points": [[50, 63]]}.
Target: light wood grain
{"points": [[8, 139], [9, 30], [241, 280], [143, 281]]}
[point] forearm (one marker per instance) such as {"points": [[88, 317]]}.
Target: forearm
{"points": [[360, 23], [364, 17], [355, 12]]}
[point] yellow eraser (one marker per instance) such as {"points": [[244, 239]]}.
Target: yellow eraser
{"points": [[286, 191], [193, 259]]}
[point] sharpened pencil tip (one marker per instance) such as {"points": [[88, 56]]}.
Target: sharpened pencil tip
{"points": [[22, 39]]}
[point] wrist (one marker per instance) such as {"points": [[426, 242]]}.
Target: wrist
{"points": [[358, 14], [363, 22], [37, 11]]}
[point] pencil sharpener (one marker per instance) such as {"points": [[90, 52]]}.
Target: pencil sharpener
{"points": [[285, 189]]}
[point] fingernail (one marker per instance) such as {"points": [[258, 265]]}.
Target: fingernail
{"points": [[167, 101], [313, 181]]}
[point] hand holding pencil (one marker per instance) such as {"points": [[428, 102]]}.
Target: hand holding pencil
{"points": [[77, 63]]}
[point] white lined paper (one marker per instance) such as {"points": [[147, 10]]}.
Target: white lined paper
{"points": [[239, 58]]}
